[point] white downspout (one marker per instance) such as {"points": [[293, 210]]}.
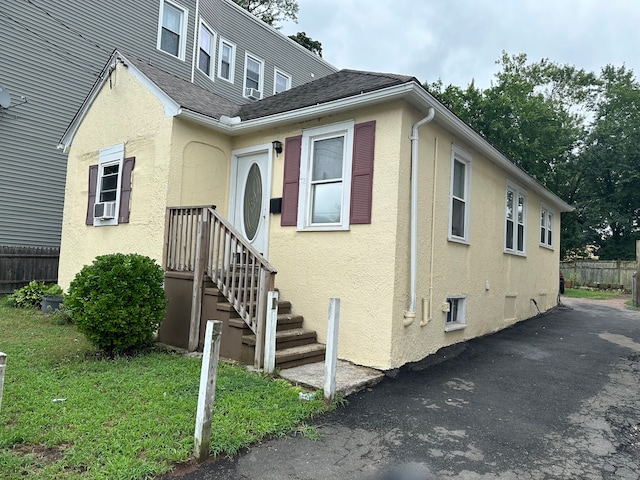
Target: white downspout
{"points": [[196, 28], [410, 314]]}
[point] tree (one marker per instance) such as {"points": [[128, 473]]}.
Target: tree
{"points": [[271, 12], [523, 113], [574, 131], [612, 165], [307, 42]]}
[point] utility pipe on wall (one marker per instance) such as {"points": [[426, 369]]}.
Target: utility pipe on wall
{"points": [[410, 314], [424, 321]]}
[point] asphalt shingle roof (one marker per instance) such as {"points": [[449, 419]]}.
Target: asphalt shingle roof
{"points": [[336, 86], [186, 94], [339, 85]]}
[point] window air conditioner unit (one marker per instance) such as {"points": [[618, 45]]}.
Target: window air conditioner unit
{"points": [[104, 210], [252, 93]]}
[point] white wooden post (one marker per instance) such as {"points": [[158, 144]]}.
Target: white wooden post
{"points": [[207, 393], [266, 285], [202, 237], [331, 355], [270, 333], [3, 363]]}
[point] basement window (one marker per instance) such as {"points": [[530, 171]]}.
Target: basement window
{"points": [[456, 315]]}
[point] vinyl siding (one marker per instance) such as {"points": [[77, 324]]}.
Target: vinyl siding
{"points": [[55, 61], [249, 34]]}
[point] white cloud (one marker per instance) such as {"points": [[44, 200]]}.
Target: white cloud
{"points": [[460, 40]]}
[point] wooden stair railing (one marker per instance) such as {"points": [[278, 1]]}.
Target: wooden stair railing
{"points": [[200, 240]]}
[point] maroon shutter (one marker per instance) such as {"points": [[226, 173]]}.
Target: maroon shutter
{"points": [[292, 152], [93, 184], [364, 137], [125, 189]]}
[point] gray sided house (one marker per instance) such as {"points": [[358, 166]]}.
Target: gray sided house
{"points": [[51, 53]]}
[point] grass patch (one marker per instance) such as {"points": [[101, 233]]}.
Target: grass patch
{"points": [[629, 304], [592, 294], [69, 413]]}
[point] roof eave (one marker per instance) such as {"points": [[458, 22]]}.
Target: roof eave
{"points": [[299, 115], [67, 137], [417, 96], [171, 108], [475, 140]]}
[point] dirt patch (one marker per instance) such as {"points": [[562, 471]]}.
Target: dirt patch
{"points": [[616, 302], [42, 454]]}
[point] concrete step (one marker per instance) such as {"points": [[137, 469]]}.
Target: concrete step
{"points": [[240, 323], [293, 337], [288, 321], [284, 307], [301, 355]]}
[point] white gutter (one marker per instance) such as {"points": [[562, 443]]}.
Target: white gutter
{"points": [[412, 92], [415, 95], [410, 314]]}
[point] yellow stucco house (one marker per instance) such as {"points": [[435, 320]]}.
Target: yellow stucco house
{"points": [[357, 185]]}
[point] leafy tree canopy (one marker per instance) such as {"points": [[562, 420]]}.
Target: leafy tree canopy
{"points": [[575, 131], [271, 12], [307, 42]]}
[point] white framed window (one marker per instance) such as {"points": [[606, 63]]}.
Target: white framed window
{"points": [[281, 81], [325, 177], [515, 220], [455, 314], [107, 205], [226, 60], [546, 227], [206, 49], [460, 193], [172, 29], [253, 77]]}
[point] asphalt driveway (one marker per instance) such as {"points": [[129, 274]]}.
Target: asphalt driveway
{"points": [[556, 396]]}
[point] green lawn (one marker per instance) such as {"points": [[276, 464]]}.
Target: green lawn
{"points": [[68, 413], [592, 294]]}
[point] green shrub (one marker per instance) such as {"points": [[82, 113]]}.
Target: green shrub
{"points": [[29, 296], [53, 290], [118, 301]]}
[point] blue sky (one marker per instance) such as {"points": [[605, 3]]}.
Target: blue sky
{"points": [[460, 40]]}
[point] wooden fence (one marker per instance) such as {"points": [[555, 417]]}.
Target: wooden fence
{"points": [[20, 265], [602, 273]]}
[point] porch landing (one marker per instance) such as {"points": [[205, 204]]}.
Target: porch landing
{"points": [[350, 378]]}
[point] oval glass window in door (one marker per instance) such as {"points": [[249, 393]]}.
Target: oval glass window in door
{"points": [[252, 205]]}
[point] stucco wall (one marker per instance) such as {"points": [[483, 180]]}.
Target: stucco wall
{"points": [[199, 172], [177, 163], [464, 269], [123, 112], [356, 266]]}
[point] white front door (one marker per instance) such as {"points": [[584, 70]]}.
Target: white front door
{"points": [[250, 190]]}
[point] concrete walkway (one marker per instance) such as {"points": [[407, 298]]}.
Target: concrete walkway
{"points": [[350, 378]]}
